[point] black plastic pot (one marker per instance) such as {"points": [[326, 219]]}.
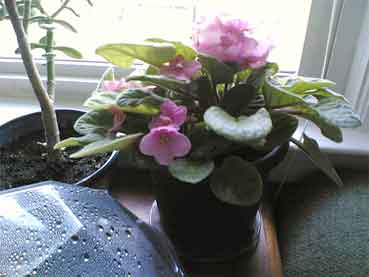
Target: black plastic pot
{"points": [[203, 228], [31, 123]]}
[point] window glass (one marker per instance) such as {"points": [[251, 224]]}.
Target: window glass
{"points": [[285, 21]]}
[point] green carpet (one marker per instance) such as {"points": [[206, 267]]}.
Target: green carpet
{"points": [[324, 230]]}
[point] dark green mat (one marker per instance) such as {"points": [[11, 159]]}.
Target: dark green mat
{"points": [[323, 230]]}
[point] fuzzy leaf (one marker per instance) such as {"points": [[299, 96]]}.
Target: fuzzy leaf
{"points": [[102, 100], [276, 95], [311, 148], [135, 97], [79, 141], [219, 72], [338, 113], [107, 145], [191, 171], [181, 49], [302, 84], [237, 182], [137, 101], [161, 81], [124, 54], [284, 125], [238, 98], [96, 121], [244, 129]]}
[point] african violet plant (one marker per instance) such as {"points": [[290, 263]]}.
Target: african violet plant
{"points": [[22, 14], [192, 109]]}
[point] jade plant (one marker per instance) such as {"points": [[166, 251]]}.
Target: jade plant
{"points": [[191, 110], [22, 14]]}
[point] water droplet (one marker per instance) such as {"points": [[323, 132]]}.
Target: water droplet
{"points": [[108, 236], [100, 227], [119, 252], [74, 239], [128, 233], [139, 265], [126, 252], [58, 223], [86, 257]]}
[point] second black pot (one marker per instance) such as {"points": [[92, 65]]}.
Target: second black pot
{"points": [[203, 228]]}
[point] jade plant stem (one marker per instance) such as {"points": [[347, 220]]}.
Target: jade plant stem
{"points": [[27, 14], [49, 119], [50, 57]]}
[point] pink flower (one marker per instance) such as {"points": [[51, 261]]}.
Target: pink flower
{"points": [[118, 86], [170, 115], [230, 40], [180, 69], [164, 144], [118, 118]]}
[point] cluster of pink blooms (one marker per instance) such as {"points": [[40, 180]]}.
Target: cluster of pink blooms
{"points": [[164, 141], [231, 40], [226, 39]]}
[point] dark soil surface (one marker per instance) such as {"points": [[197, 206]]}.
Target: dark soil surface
{"points": [[25, 162]]}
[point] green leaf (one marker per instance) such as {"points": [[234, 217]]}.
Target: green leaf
{"points": [[330, 131], [330, 114], [258, 76], [181, 49], [65, 24], [301, 84], [337, 112], [102, 100], [162, 81], [201, 87], [237, 182], [238, 98], [191, 171], [244, 129], [218, 71], [39, 19], [284, 126], [138, 101], [311, 148], [133, 158], [71, 52], [207, 145], [325, 93], [106, 145], [124, 54], [135, 97], [96, 121], [276, 96], [43, 40], [37, 46], [79, 141]]}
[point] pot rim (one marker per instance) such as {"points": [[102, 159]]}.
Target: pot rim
{"points": [[95, 174]]}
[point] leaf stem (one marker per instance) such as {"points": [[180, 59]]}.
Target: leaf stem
{"points": [[60, 9]]}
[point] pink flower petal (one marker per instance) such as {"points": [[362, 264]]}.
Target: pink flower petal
{"points": [[118, 119], [180, 69], [230, 40], [180, 145], [164, 144]]}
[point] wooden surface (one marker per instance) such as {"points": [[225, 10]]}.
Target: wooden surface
{"points": [[264, 262]]}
